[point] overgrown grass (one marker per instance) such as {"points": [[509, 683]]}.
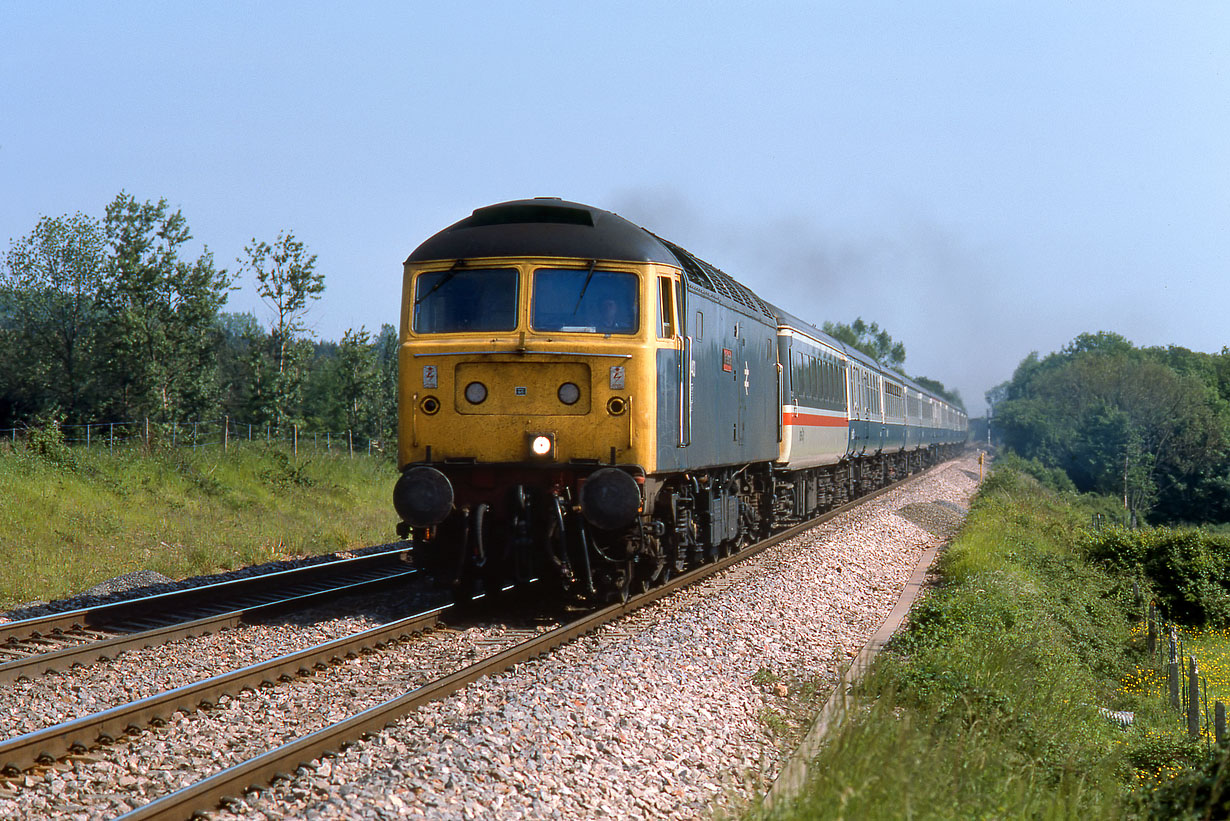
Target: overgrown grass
{"points": [[988, 705], [70, 518]]}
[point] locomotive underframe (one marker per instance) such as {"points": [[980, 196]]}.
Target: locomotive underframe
{"points": [[515, 523]]}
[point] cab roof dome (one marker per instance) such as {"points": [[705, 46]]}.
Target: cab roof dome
{"points": [[544, 227]]}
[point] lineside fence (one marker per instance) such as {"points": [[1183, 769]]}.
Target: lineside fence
{"points": [[221, 434], [1186, 689]]}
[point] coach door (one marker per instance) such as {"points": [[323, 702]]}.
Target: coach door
{"points": [[860, 413]]}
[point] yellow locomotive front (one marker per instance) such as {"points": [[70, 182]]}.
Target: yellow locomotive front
{"points": [[530, 361], [527, 394]]}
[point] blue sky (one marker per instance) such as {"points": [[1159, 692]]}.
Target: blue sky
{"points": [[981, 179]]}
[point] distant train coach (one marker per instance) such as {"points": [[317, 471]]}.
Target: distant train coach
{"points": [[585, 402]]}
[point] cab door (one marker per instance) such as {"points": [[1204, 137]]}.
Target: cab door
{"points": [[673, 359]]}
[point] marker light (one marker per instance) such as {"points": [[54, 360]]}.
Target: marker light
{"points": [[541, 445], [476, 392], [569, 393]]}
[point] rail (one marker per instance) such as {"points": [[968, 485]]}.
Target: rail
{"points": [[233, 781]]}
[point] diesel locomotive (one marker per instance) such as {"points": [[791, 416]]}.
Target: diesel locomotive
{"points": [[584, 402]]}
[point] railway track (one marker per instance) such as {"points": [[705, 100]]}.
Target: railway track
{"points": [[233, 781], [31, 647]]}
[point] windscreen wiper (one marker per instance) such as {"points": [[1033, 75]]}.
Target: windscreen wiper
{"points": [[452, 272], [588, 276]]}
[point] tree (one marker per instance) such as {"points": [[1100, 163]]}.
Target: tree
{"points": [[242, 367], [51, 281], [387, 344], [161, 314], [869, 339], [358, 379], [287, 281], [1124, 421]]}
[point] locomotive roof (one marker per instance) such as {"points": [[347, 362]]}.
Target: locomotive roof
{"points": [[544, 227], [549, 227]]}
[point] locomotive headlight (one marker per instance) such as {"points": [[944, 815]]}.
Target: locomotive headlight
{"points": [[476, 393], [569, 393], [542, 445]]}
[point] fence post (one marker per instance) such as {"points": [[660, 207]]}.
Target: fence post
{"points": [[1152, 643], [226, 432], [350, 442], [194, 424], [1193, 698], [147, 433], [296, 441], [87, 435], [112, 438], [1172, 673]]}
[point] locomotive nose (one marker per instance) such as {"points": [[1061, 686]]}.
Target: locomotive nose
{"points": [[423, 496]]}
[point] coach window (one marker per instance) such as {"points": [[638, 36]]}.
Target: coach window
{"points": [[666, 310], [585, 300], [700, 325]]}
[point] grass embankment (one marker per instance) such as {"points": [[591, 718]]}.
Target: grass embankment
{"points": [[988, 705], [70, 519]]}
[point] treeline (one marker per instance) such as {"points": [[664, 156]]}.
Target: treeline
{"points": [[1150, 425], [109, 320]]}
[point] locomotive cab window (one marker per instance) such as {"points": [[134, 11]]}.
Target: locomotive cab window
{"points": [[585, 300], [666, 310], [460, 300]]}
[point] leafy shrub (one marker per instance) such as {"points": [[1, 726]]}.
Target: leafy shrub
{"points": [[45, 441], [1187, 567], [1198, 791], [1054, 478]]}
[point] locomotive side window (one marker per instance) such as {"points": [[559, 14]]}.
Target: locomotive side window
{"points": [[584, 300], [700, 325], [666, 312], [457, 300]]}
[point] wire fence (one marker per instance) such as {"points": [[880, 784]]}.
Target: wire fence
{"points": [[1187, 690], [222, 434]]}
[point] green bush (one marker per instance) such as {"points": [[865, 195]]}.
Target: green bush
{"points": [[1187, 568], [1198, 792], [45, 442], [1054, 478]]}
